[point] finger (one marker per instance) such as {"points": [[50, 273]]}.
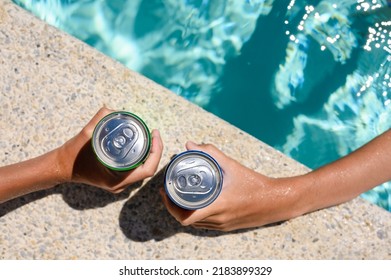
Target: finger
{"points": [[157, 143], [207, 148], [210, 226], [104, 111], [149, 167], [185, 217], [156, 151], [190, 145], [178, 213], [224, 161], [117, 190], [215, 225]]}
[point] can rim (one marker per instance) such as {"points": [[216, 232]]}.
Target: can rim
{"points": [[219, 187], [148, 138]]}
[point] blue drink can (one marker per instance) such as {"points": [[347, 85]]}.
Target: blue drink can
{"points": [[121, 141], [193, 180]]}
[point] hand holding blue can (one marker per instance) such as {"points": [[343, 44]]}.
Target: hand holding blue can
{"points": [[251, 199], [246, 199]]}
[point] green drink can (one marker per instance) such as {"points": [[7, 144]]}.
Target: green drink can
{"points": [[121, 141]]}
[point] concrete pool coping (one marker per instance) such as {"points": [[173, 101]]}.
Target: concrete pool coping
{"points": [[52, 84]]}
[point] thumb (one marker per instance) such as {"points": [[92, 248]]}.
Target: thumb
{"points": [[213, 151], [190, 145]]}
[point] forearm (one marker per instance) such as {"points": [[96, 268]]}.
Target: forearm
{"points": [[349, 176], [28, 176]]}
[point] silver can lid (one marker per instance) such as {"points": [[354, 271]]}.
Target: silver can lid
{"points": [[121, 141], [193, 180]]}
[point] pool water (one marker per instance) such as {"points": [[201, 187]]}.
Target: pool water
{"points": [[310, 78]]}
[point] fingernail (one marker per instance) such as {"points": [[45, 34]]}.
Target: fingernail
{"points": [[192, 143], [107, 107], [155, 132]]}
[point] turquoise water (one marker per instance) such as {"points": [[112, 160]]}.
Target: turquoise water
{"points": [[310, 78]]}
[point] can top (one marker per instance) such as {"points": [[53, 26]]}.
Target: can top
{"points": [[121, 141], [193, 179]]}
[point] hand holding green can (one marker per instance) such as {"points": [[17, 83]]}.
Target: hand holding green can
{"points": [[121, 141]]}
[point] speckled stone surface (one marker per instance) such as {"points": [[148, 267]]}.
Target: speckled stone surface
{"points": [[51, 84]]}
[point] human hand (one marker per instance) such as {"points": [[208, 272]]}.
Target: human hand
{"points": [[78, 162], [248, 199]]}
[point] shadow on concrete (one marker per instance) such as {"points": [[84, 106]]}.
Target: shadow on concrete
{"points": [[144, 216], [81, 197], [77, 196], [13, 204]]}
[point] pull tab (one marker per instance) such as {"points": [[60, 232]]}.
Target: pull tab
{"points": [[117, 144], [194, 180]]}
